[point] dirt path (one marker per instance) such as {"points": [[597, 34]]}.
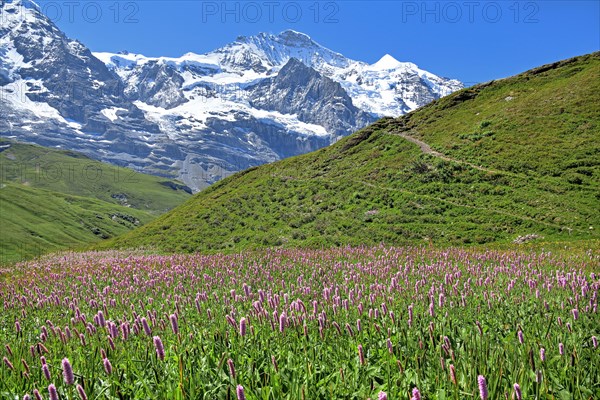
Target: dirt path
{"points": [[425, 148]]}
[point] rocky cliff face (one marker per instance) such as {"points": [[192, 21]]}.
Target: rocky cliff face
{"points": [[198, 117], [300, 90]]}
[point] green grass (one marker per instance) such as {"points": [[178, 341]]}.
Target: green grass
{"points": [[52, 200], [37, 221], [74, 173], [520, 156]]}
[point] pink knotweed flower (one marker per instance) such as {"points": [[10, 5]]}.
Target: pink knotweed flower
{"points": [[8, 363], [52, 391], [174, 323], [101, 320], [274, 362], [242, 326], [452, 373], [595, 342], [416, 395], [240, 392], [282, 321], [67, 372], [27, 397], [160, 350], [37, 394], [543, 354], [349, 329], [8, 350], [447, 342], [107, 366], [483, 389], [41, 348], [25, 365], [518, 394], [358, 325], [46, 371], [231, 368], [561, 349], [361, 354], [146, 327], [520, 336], [81, 392], [575, 313], [125, 330], [479, 328], [382, 396], [230, 320], [384, 308]]}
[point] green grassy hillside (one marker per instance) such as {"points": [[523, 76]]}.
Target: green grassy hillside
{"points": [[52, 200], [514, 157], [73, 173]]}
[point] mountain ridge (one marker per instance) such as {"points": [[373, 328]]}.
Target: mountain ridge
{"points": [[266, 53]]}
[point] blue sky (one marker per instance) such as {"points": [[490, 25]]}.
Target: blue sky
{"points": [[473, 41]]}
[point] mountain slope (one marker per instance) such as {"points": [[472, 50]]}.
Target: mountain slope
{"points": [[38, 221], [51, 199], [500, 160]]}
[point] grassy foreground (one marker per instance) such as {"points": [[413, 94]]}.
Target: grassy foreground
{"points": [[346, 323]]}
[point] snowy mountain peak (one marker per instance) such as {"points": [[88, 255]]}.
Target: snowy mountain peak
{"points": [[265, 51], [294, 38], [387, 62]]}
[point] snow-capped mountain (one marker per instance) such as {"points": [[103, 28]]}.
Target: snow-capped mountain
{"points": [[198, 117], [385, 88]]}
